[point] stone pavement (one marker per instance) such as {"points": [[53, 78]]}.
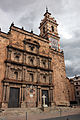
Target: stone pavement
{"points": [[36, 114]]}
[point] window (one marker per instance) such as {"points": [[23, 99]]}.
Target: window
{"points": [[52, 28], [31, 77], [31, 61], [17, 58], [31, 91], [76, 87], [16, 75], [44, 78], [31, 47], [76, 77], [43, 29], [44, 63], [77, 92], [76, 83]]}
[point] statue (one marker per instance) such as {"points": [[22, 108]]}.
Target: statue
{"points": [[44, 100]]}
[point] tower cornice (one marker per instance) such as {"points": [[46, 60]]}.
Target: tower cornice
{"points": [[54, 22]]}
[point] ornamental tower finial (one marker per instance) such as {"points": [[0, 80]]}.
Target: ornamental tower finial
{"points": [[46, 9]]}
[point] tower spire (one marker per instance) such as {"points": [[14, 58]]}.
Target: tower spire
{"points": [[46, 9]]}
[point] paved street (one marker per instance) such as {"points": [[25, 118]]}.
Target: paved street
{"points": [[37, 114], [71, 117]]}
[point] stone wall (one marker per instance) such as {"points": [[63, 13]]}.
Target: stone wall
{"points": [[71, 90], [59, 79], [4, 41]]}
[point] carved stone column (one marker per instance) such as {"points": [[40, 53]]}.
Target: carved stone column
{"points": [[38, 61], [4, 92], [39, 97], [49, 65], [24, 58], [50, 77], [5, 95], [23, 100], [7, 70], [38, 76], [23, 73], [51, 96]]}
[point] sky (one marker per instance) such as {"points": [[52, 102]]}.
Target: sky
{"points": [[29, 13]]}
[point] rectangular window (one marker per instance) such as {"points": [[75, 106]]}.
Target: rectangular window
{"points": [[17, 58], [77, 92], [76, 83], [16, 75], [31, 77], [76, 87]]}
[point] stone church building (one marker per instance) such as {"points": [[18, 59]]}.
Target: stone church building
{"points": [[32, 66]]}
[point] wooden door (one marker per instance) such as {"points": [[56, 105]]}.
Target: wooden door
{"points": [[14, 97]]}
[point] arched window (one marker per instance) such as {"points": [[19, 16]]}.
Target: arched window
{"points": [[52, 28], [32, 48], [43, 29], [17, 58], [31, 61], [43, 63]]}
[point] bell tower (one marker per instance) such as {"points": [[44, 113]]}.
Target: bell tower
{"points": [[48, 30]]}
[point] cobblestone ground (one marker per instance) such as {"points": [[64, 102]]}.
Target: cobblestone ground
{"points": [[36, 114]]}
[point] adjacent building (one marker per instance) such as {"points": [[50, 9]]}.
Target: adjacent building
{"points": [[76, 82], [32, 66], [71, 91]]}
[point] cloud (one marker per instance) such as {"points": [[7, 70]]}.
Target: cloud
{"points": [[72, 56], [14, 5], [68, 63], [28, 13], [4, 19]]}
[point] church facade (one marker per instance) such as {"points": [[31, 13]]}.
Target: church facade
{"points": [[32, 66]]}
